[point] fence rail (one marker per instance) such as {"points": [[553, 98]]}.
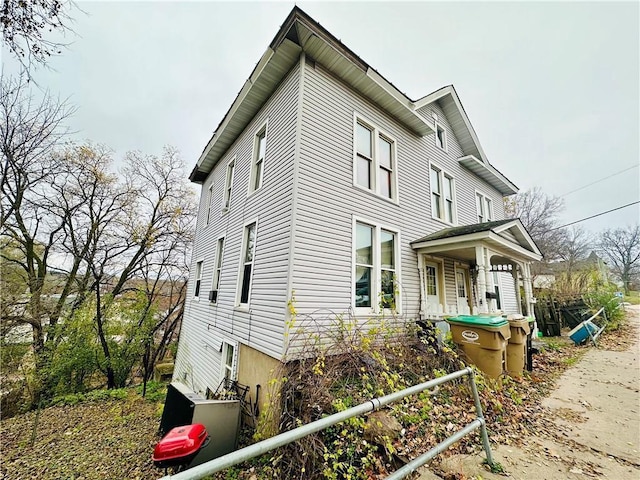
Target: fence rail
{"points": [[257, 449]]}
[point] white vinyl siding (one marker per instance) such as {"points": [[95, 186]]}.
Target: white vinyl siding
{"points": [[508, 292], [466, 182], [261, 328], [327, 204]]}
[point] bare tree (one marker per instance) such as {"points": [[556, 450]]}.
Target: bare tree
{"points": [[149, 248], [75, 234], [539, 214], [575, 247], [25, 24], [29, 229], [621, 248]]}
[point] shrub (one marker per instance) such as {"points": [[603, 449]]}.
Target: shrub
{"points": [[604, 296], [348, 363]]}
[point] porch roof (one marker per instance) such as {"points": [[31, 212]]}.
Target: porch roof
{"points": [[508, 237]]}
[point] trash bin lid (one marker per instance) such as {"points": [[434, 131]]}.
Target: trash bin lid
{"points": [[479, 321]]}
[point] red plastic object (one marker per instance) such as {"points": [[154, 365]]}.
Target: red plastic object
{"points": [[180, 445]]}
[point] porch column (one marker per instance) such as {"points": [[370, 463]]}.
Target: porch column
{"points": [[482, 280], [491, 303], [528, 290], [516, 281], [423, 290]]}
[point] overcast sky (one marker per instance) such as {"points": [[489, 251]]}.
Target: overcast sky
{"points": [[552, 89]]}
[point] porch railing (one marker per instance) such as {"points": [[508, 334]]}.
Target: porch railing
{"points": [[257, 449]]}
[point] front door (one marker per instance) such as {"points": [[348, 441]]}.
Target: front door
{"points": [[431, 287], [462, 291]]}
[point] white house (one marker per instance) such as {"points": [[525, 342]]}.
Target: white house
{"points": [[324, 181]]}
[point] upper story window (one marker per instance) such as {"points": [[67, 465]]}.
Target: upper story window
{"points": [[375, 262], [196, 292], [375, 161], [246, 266], [484, 207], [441, 136], [215, 286], [209, 203], [228, 185], [443, 203], [257, 164]]}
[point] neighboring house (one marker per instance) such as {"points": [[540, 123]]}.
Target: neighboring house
{"points": [[544, 275], [324, 182]]}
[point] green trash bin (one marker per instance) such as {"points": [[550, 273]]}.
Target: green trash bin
{"points": [[483, 339]]}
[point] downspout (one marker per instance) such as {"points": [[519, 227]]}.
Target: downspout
{"points": [[294, 208]]}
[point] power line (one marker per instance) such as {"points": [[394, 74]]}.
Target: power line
{"points": [[598, 181], [596, 215]]}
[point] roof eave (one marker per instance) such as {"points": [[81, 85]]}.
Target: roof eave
{"points": [[258, 88], [489, 174]]}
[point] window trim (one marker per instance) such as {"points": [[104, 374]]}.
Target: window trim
{"points": [[376, 166], [483, 203], [441, 287], [217, 270], [209, 205], [439, 284], [439, 126], [233, 368], [198, 278], [468, 287], [263, 129], [242, 264], [376, 274], [227, 194], [442, 173]]}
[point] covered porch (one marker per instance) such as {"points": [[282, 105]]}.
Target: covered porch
{"points": [[476, 269]]}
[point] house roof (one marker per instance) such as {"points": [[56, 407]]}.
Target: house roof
{"points": [[462, 230], [475, 159], [301, 33], [509, 233]]}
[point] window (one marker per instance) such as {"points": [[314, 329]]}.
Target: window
{"points": [[257, 168], [213, 295], [443, 205], [431, 280], [364, 264], [461, 284], [375, 167], [441, 136], [196, 293], [246, 269], [228, 357], [209, 202], [387, 268], [375, 267], [228, 185], [484, 208]]}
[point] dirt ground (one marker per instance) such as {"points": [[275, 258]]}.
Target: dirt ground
{"points": [[595, 409]]}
